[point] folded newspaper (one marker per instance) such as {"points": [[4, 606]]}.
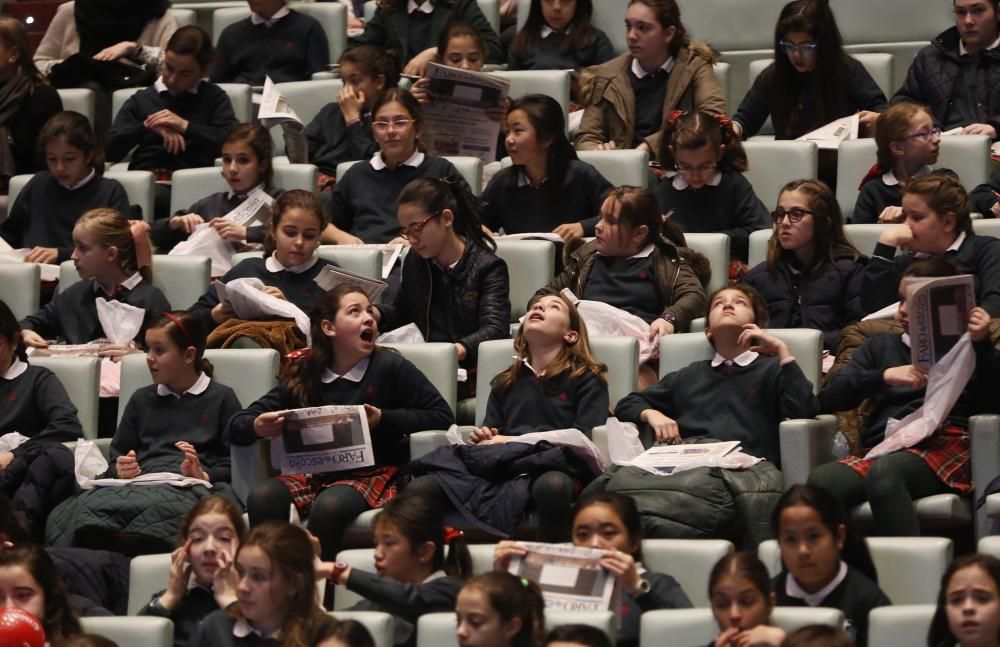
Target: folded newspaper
{"points": [[570, 577], [323, 439], [458, 120], [830, 136], [938, 312], [93, 349], [626, 449], [274, 108], [331, 276], [249, 301]]}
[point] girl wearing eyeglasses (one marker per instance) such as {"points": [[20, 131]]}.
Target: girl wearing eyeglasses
{"points": [[812, 81], [908, 144], [453, 286], [708, 193], [812, 275], [364, 200]]}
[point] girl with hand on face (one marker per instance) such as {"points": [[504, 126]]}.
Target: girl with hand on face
{"points": [[709, 193], [546, 189], [610, 522], [344, 367], [246, 165], [664, 70], [558, 35], [29, 581], [275, 593], [935, 222], [364, 200], [812, 275], [45, 211], [908, 144], [413, 575], [450, 258], [739, 588], [210, 536], [500, 610], [968, 605]]}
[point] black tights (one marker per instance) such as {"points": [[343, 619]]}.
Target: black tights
{"points": [[551, 494], [334, 509]]}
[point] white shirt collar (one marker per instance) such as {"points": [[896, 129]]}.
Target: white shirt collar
{"points": [[273, 265], [906, 339], [423, 7], [680, 183], [230, 194], [524, 360], [964, 52], [414, 160], [434, 576], [258, 19], [548, 31], [197, 388], [356, 374], [889, 177], [83, 182], [523, 179], [641, 73], [128, 283], [951, 248], [642, 253], [14, 371], [743, 359], [160, 86], [242, 629], [793, 590]]}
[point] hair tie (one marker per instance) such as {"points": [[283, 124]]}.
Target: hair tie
{"points": [[298, 355], [180, 324], [450, 534], [674, 116], [140, 239], [525, 583]]}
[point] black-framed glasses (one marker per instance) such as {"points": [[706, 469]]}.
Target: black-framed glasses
{"points": [[687, 169], [805, 49], [926, 134], [411, 232], [795, 214]]}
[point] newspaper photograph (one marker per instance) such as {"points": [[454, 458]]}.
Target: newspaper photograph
{"points": [[570, 577], [390, 253], [323, 439], [457, 121], [938, 309], [332, 276]]}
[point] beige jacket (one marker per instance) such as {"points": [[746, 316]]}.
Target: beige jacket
{"points": [[61, 39], [610, 104]]}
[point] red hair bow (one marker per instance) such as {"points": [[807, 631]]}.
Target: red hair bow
{"points": [[451, 534], [298, 355], [674, 116]]}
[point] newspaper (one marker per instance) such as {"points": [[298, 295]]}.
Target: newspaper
{"points": [[323, 439], [828, 137], [571, 578], [390, 254], [274, 108], [332, 276], [667, 459], [49, 272], [457, 120], [938, 313], [249, 301], [93, 349]]}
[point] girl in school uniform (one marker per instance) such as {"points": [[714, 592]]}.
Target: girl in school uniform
{"points": [[739, 589], [554, 383], [610, 522], [908, 145], [202, 574], [450, 259], [178, 425], [35, 405], [812, 275], [559, 36], [364, 200], [344, 367], [709, 193], [29, 581], [290, 264], [968, 605], [176, 123], [43, 215], [342, 131], [546, 189], [413, 575], [113, 257], [275, 592], [498, 609], [246, 165], [824, 563]]}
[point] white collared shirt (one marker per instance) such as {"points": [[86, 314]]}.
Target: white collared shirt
{"points": [[14, 371], [423, 7], [793, 590], [273, 265], [951, 248], [414, 160], [160, 86], [889, 177], [906, 339], [434, 576], [356, 374], [743, 359], [242, 629], [680, 183], [548, 31], [197, 388], [524, 180], [83, 182], [640, 73], [128, 283], [524, 360], [964, 52], [230, 194], [258, 19]]}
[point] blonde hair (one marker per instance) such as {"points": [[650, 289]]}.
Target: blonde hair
{"points": [[112, 229]]}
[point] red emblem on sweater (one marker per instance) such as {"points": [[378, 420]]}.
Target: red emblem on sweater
{"points": [[12, 396]]}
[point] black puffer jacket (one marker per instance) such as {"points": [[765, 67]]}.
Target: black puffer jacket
{"points": [[475, 308], [826, 299], [934, 75]]}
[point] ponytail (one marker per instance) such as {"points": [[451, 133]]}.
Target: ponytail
{"points": [[693, 130], [421, 521], [434, 195]]}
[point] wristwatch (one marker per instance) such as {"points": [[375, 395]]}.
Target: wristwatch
{"points": [[338, 570], [670, 318]]}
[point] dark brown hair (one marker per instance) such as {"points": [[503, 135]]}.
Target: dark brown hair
{"points": [[940, 634], [189, 333], [456, 28], [818, 636], [744, 565], [761, 315], [60, 620], [373, 61], [74, 129], [546, 117], [259, 140], [638, 207], [668, 14], [191, 40], [10, 330], [294, 199], [944, 195], [829, 238], [892, 126], [514, 597], [579, 634], [694, 130], [434, 195], [350, 632], [626, 509], [214, 504], [420, 521], [15, 37], [580, 32]]}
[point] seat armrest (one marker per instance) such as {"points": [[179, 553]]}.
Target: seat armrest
{"points": [[984, 432], [424, 442], [251, 464], [805, 444]]}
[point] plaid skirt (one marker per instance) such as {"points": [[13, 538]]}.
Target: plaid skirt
{"points": [[378, 485], [946, 452]]}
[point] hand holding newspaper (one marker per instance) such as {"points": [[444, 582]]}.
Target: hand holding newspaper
{"points": [[570, 577], [458, 121], [938, 313], [323, 439]]}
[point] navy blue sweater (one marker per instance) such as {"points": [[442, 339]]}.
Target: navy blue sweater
{"points": [[530, 405], [331, 141], [293, 49], [36, 405]]}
